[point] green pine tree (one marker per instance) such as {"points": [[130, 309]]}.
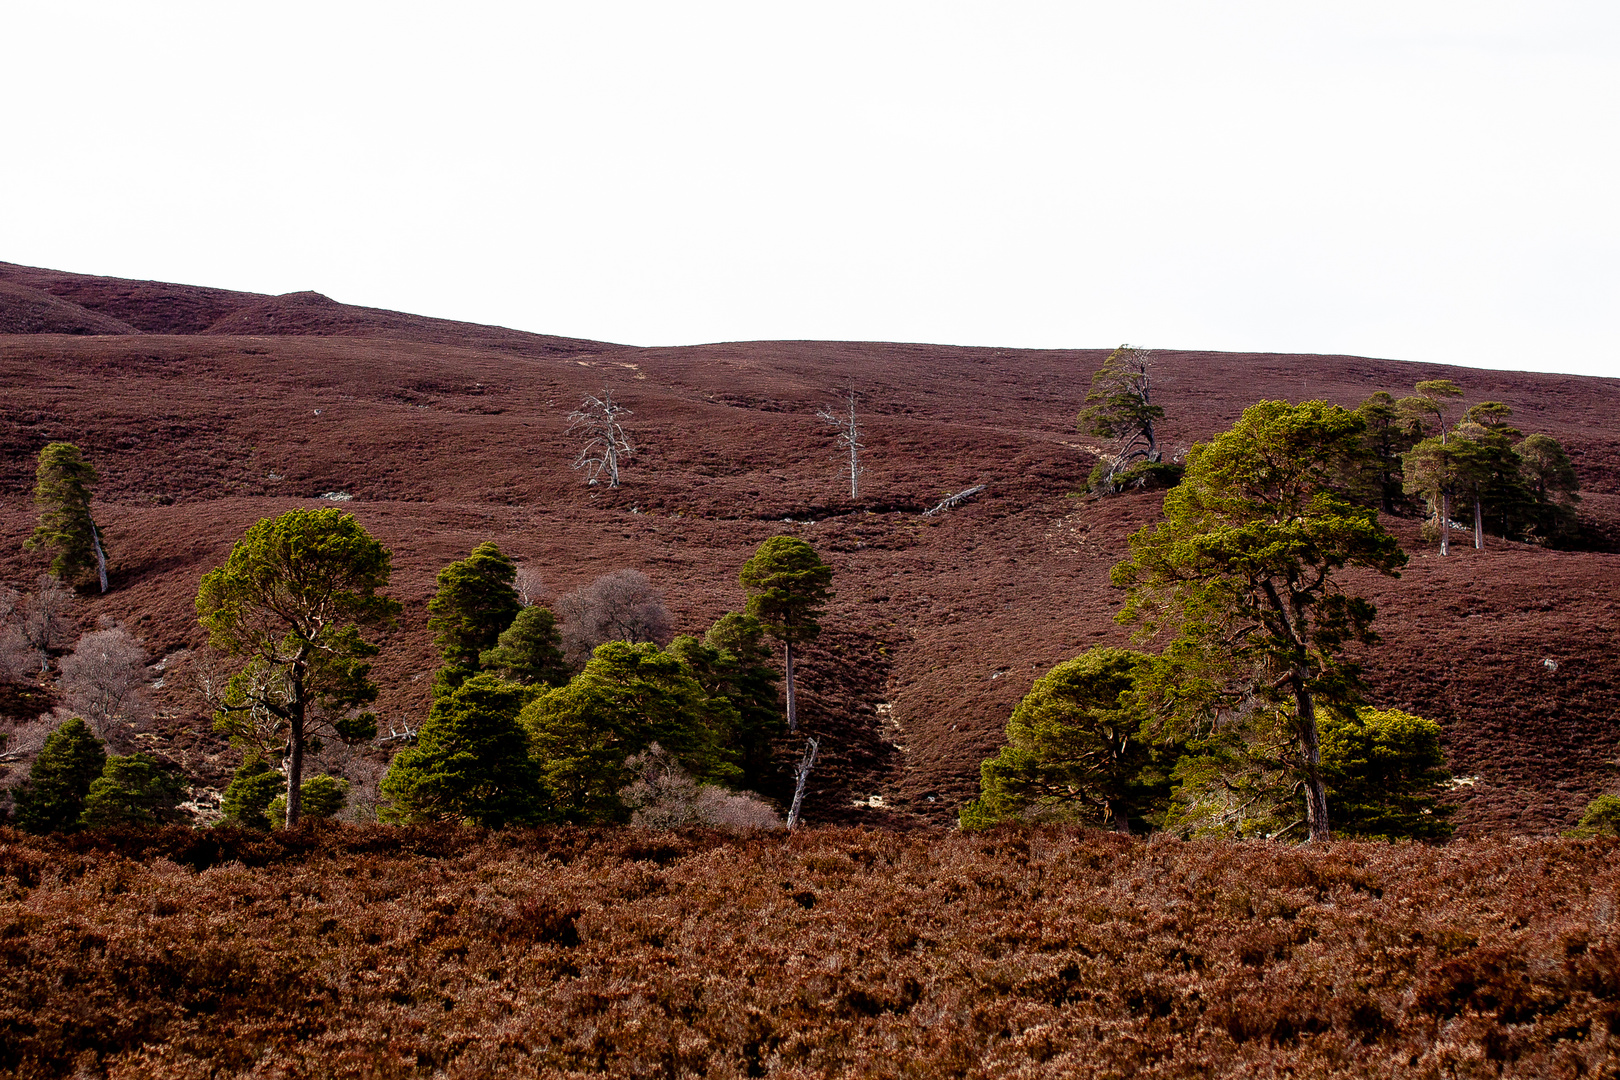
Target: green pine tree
{"points": [[1082, 746], [474, 604], [133, 790], [252, 790], [529, 652], [470, 762], [320, 797], [52, 798], [62, 485], [627, 698], [786, 582]]}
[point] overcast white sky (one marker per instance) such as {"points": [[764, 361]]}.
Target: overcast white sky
{"points": [[1418, 180]]}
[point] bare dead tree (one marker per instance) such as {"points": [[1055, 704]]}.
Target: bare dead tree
{"points": [[530, 588], [801, 776], [45, 626], [951, 502], [621, 606], [848, 439], [597, 418], [104, 679], [15, 659]]}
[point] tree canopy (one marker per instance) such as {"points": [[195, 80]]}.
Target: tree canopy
{"points": [[787, 586], [474, 604], [133, 790], [470, 763], [52, 798], [1083, 745], [289, 604], [627, 698], [1243, 570], [528, 652]]}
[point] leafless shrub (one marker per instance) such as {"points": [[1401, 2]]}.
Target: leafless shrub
{"points": [[23, 740], [621, 606], [664, 796], [44, 626], [104, 680]]}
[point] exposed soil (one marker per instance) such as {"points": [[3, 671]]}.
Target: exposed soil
{"points": [[213, 409]]}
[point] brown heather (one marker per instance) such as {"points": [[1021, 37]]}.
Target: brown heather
{"points": [[373, 952]]}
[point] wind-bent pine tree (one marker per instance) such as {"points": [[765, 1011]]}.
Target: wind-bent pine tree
{"points": [[290, 603], [787, 584], [1244, 567], [62, 483], [1119, 407]]}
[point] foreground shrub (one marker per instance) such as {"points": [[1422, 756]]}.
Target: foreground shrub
{"points": [[664, 796], [418, 952]]}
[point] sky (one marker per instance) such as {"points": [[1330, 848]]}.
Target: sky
{"points": [[1417, 180]]}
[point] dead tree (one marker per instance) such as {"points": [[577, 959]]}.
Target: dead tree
{"points": [[801, 776], [45, 626], [597, 418], [951, 502], [849, 438]]}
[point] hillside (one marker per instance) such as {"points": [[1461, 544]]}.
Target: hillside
{"points": [[205, 410]]}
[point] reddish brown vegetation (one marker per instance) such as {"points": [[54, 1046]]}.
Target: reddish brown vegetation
{"points": [[225, 407], [391, 953]]}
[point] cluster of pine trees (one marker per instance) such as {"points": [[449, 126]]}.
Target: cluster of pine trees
{"points": [[1472, 461], [516, 734]]}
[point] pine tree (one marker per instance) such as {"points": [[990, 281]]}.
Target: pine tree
{"points": [[787, 584], [529, 652], [62, 485], [470, 762], [474, 604], [1245, 568], [253, 788], [290, 603], [52, 798], [133, 790], [627, 698], [1081, 746], [731, 663]]}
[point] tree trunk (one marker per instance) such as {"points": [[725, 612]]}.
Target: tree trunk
{"points": [[792, 708], [1116, 814], [1479, 525], [101, 556], [295, 758], [1445, 521], [812, 750], [1316, 815]]}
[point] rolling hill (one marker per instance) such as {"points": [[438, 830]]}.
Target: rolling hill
{"points": [[206, 409]]}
